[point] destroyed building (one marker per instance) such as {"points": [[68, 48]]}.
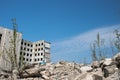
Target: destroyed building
{"points": [[29, 52]]}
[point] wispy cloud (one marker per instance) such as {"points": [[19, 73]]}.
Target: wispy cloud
{"points": [[74, 48]]}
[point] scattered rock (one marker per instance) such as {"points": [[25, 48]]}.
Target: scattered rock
{"points": [[107, 62], [95, 64], [106, 69], [117, 60], [86, 68], [89, 76], [15, 74]]}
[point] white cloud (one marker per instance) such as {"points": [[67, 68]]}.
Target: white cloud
{"points": [[74, 47]]}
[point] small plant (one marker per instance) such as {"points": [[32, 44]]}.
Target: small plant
{"points": [[117, 41], [97, 48], [93, 49], [112, 47]]}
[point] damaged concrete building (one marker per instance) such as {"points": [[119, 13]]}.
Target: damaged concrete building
{"points": [[26, 51]]}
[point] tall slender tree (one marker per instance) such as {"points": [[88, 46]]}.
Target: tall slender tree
{"points": [[14, 42], [97, 48], [99, 43]]}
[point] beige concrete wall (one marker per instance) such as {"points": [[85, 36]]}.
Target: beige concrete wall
{"points": [[46, 53], [6, 45]]}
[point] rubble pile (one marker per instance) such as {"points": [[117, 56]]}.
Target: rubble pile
{"points": [[108, 69]]}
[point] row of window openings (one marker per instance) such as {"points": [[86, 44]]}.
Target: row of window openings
{"points": [[31, 54], [25, 54], [27, 44], [41, 59], [31, 49], [26, 49], [39, 44], [39, 54], [34, 59], [39, 49], [31, 44], [26, 59]]}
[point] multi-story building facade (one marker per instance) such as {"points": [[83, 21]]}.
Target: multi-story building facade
{"points": [[36, 52], [26, 51]]}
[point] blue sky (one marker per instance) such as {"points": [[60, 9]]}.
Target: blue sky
{"points": [[59, 21]]}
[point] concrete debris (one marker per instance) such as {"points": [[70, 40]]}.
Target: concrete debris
{"points": [[95, 64], [107, 62], [107, 69], [86, 68], [116, 58]]}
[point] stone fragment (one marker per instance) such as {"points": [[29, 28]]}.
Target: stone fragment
{"points": [[95, 64], [85, 68]]}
